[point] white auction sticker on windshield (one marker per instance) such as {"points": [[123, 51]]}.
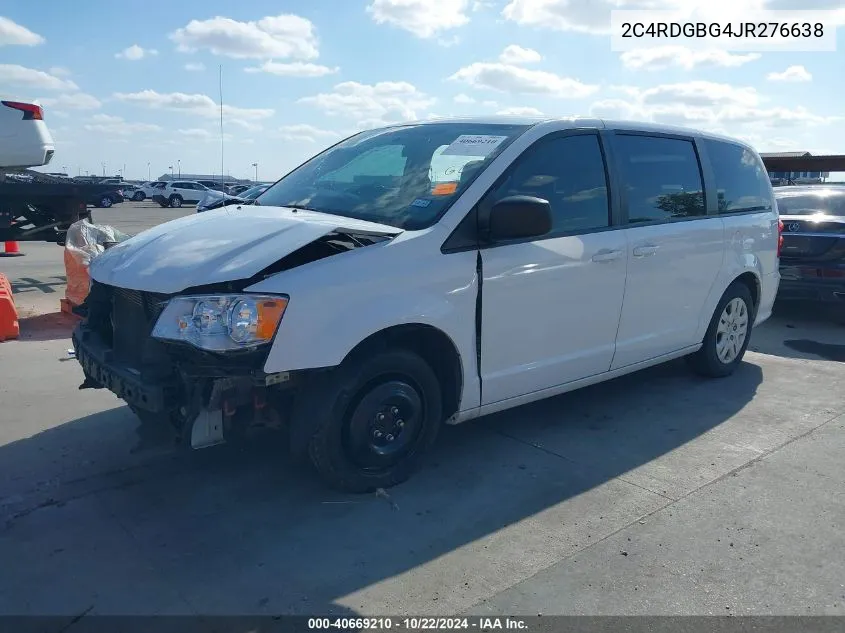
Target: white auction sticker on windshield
{"points": [[474, 145]]}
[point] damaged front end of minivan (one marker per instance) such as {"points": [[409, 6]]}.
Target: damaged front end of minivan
{"points": [[194, 359]]}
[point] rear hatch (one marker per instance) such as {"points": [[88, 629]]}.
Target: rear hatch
{"points": [[813, 226]]}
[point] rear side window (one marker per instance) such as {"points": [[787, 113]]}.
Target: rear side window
{"points": [[661, 177], [742, 183]]}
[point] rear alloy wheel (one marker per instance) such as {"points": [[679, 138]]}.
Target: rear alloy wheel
{"points": [[105, 202], [728, 334], [385, 416], [138, 196], [176, 201]]}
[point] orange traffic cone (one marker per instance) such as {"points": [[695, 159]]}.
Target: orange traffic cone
{"points": [[11, 250]]}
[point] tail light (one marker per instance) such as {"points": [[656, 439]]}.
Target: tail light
{"points": [[31, 112], [780, 236]]}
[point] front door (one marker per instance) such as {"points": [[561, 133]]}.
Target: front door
{"points": [[550, 307]]}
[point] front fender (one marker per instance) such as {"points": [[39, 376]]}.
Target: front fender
{"points": [[325, 320]]}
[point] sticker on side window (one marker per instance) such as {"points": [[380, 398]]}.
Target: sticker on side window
{"points": [[420, 202], [474, 145]]}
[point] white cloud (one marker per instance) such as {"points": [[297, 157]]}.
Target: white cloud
{"points": [[194, 67], [13, 34], [197, 134], [135, 52], [518, 80], [306, 133], [115, 125], [593, 16], [197, 104], [106, 118], [73, 101], [293, 69], [791, 74], [14, 75], [372, 104], [282, 36], [520, 111], [423, 18], [59, 71], [707, 105], [662, 57], [465, 99], [514, 54]]}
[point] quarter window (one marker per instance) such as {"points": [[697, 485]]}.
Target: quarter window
{"points": [[661, 177], [569, 172], [742, 183]]}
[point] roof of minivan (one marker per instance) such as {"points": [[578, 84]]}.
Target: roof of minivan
{"points": [[582, 122]]}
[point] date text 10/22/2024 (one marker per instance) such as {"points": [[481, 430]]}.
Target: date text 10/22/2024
{"points": [[480, 624]]}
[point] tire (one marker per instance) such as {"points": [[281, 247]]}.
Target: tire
{"points": [[720, 355], [387, 395], [105, 202], [138, 196], [176, 201]]}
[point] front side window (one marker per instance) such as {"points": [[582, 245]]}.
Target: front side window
{"points": [[395, 176], [661, 177], [569, 173], [742, 183]]}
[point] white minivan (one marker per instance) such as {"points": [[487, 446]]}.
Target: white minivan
{"points": [[433, 272]]}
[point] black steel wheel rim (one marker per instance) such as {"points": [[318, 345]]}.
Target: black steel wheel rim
{"points": [[384, 424]]}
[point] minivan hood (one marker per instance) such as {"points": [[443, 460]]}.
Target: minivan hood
{"points": [[227, 244]]}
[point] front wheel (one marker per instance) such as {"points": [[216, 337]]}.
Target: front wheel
{"points": [[139, 196], [386, 414], [728, 335], [176, 201], [105, 202]]}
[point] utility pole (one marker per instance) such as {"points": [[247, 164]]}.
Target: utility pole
{"points": [[171, 172], [149, 173], [104, 169], [256, 171], [179, 162]]}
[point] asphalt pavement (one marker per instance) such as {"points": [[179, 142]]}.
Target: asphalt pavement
{"points": [[656, 493]]}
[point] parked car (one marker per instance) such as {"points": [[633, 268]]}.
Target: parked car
{"points": [[177, 193], [215, 199], [107, 199], [236, 189], [215, 185], [149, 189], [366, 303], [26, 140], [812, 264]]}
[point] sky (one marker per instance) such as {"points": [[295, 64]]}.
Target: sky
{"points": [[134, 85]]}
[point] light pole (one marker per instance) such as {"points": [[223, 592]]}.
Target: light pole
{"points": [[104, 169], [171, 171], [179, 163], [149, 176], [256, 171]]}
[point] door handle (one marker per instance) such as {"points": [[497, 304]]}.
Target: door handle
{"points": [[606, 255], [645, 251]]}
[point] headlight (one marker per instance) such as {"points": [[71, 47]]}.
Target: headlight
{"points": [[221, 322]]}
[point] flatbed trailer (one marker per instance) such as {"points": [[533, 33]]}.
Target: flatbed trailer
{"points": [[36, 207]]}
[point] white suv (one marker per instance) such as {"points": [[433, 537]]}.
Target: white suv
{"points": [[179, 192], [25, 140], [431, 273]]}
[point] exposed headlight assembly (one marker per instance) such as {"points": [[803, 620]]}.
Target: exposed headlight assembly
{"points": [[219, 323]]}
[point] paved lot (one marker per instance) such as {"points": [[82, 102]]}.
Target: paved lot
{"points": [[656, 493]]}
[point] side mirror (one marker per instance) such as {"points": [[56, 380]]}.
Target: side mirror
{"points": [[519, 217]]}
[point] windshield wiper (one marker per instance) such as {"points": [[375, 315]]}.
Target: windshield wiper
{"points": [[302, 207]]}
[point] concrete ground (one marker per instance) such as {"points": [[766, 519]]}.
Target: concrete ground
{"points": [[657, 493]]}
